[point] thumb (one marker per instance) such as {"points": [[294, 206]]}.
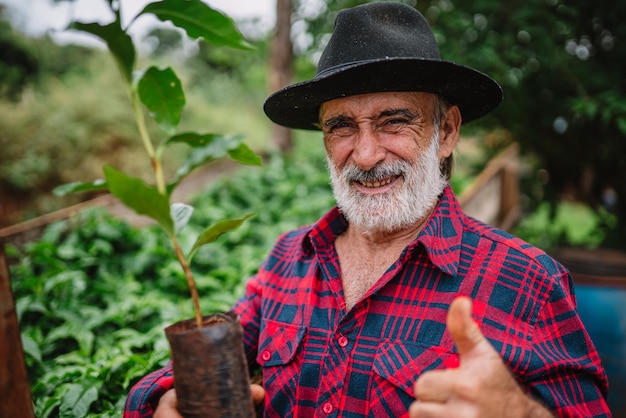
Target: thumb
{"points": [[464, 330]]}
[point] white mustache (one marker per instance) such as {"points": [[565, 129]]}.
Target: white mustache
{"points": [[379, 172]]}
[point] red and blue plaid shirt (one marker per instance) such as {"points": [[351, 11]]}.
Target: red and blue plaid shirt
{"points": [[320, 360]]}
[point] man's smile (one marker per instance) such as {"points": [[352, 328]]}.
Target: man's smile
{"points": [[377, 186]]}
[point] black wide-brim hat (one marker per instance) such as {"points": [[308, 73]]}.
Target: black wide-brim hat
{"points": [[382, 47]]}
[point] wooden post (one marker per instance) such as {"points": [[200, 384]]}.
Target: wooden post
{"points": [[15, 394], [510, 206], [281, 67]]}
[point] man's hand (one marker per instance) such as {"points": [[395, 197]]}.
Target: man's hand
{"points": [[481, 386], [167, 406], [167, 403]]}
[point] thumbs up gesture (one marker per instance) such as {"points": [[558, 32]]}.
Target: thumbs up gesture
{"points": [[481, 386]]}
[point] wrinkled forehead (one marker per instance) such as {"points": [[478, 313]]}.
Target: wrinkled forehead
{"points": [[371, 104]]}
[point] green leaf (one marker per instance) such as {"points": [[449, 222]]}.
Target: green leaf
{"points": [[207, 148], [244, 155], [180, 213], [193, 139], [199, 21], [118, 41], [214, 147], [31, 348], [140, 197], [49, 407], [77, 400], [75, 330], [214, 231], [161, 92], [77, 187]]}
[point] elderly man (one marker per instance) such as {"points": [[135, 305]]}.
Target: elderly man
{"points": [[395, 303]]}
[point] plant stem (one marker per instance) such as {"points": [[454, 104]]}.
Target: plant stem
{"points": [[160, 182], [190, 281], [147, 143]]}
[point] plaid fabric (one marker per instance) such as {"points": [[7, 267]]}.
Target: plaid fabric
{"points": [[144, 396], [319, 360]]}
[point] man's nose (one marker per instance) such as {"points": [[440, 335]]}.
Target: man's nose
{"points": [[368, 149]]}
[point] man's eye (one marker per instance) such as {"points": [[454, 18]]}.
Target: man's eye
{"points": [[393, 125], [340, 128], [340, 125]]}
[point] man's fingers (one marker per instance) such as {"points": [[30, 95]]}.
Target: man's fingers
{"points": [[419, 409], [167, 406], [168, 402], [462, 327], [258, 393], [434, 386]]}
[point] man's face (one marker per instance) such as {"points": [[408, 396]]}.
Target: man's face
{"points": [[383, 154]]}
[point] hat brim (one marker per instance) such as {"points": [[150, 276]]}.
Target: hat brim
{"points": [[297, 106]]}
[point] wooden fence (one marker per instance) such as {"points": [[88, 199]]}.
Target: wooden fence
{"points": [[494, 196]]}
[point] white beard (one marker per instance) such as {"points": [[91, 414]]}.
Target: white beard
{"points": [[403, 205]]}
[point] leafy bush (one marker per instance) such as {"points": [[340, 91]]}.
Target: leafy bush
{"points": [[46, 145], [572, 224]]}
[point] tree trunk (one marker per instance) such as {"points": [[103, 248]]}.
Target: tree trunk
{"points": [[281, 66], [15, 394]]}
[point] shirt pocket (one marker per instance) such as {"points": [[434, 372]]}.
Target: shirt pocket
{"points": [[278, 343], [400, 364]]}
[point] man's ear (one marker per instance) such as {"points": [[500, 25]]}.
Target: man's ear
{"points": [[449, 131]]}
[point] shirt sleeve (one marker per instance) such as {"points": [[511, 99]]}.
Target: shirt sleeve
{"points": [[144, 396], [565, 372]]}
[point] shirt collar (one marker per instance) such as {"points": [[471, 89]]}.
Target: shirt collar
{"points": [[443, 233], [326, 230], [441, 236]]}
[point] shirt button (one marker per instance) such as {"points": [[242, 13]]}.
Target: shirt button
{"points": [[327, 408], [343, 341], [266, 355]]}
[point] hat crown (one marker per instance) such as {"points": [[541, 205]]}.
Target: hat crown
{"points": [[378, 31]]}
